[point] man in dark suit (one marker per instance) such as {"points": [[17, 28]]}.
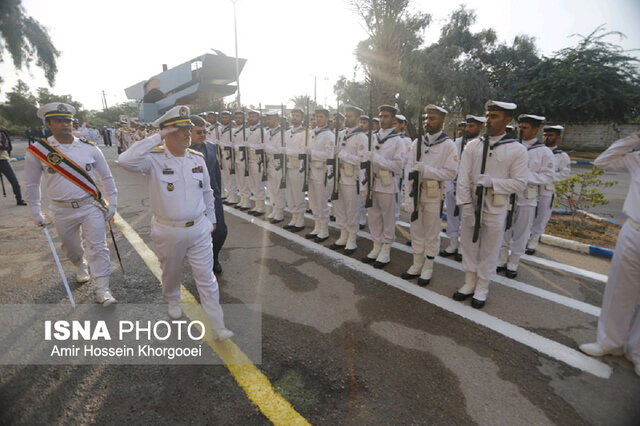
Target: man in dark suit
{"points": [[198, 135]]}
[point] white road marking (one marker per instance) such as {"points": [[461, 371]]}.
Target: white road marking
{"points": [[541, 344]]}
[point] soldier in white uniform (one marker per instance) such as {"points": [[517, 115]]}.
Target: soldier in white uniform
{"points": [[227, 162], [320, 149], [540, 173], [276, 164], [240, 134], [400, 124], [438, 163], [506, 173], [352, 151], [561, 171], [297, 138], [618, 331], [183, 212], [69, 166], [472, 129], [255, 144], [387, 157]]}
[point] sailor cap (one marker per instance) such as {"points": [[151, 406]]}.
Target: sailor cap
{"points": [[477, 118], [436, 109], [530, 118], [178, 116], [272, 113], [401, 117], [556, 128], [321, 110], [500, 106], [56, 109], [390, 108], [353, 108]]}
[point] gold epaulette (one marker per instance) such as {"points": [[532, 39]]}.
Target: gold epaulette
{"points": [[83, 140], [193, 151], [158, 148]]}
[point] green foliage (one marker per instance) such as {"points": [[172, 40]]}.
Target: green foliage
{"points": [[21, 106], [26, 40], [301, 102], [580, 192], [111, 115]]}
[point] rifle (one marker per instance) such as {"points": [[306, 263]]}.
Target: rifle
{"points": [[456, 211], [480, 190], [368, 165], [283, 156], [304, 156], [232, 152], [261, 152], [414, 176], [335, 162], [243, 147], [513, 198]]}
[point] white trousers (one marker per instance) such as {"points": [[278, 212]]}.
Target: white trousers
{"points": [[173, 244], [229, 180], [544, 214], [256, 186], [241, 179], [517, 236], [84, 229], [276, 195], [481, 257], [293, 192], [622, 296], [318, 200], [347, 208], [453, 222], [425, 230], [381, 218]]}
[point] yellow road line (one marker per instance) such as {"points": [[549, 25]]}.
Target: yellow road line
{"points": [[255, 384]]}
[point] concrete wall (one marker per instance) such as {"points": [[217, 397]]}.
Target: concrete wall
{"points": [[594, 137]]}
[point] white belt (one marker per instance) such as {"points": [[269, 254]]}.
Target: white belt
{"points": [[179, 224], [74, 204], [635, 225]]}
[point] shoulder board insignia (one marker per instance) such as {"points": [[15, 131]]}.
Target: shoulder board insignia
{"points": [[193, 151], [159, 148], [83, 140]]}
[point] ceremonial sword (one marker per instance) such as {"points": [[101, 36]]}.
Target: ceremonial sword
{"points": [[55, 256]]}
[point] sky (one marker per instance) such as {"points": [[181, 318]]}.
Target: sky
{"points": [[289, 44]]}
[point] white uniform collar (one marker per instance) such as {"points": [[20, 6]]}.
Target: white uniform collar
{"points": [[384, 132], [529, 142], [432, 138], [494, 139], [54, 142]]}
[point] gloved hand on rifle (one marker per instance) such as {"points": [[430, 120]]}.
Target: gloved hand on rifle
{"points": [[485, 181]]}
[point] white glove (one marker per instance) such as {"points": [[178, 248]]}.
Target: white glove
{"points": [[485, 181], [417, 168], [407, 207], [111, 211], [42, 220]]}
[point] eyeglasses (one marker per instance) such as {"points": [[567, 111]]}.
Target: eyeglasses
{"points": [[201, 132]]}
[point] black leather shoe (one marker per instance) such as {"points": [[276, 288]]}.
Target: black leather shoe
{"points": [[457, 296], [408, 276], [22, 203], [511, 274], [379, 265], [310, 236], [368, 260], [244, 208], [445, 253], [458, 257], [258, 214], [288, 227], [335, 246], [274, 221], [349, 252], [361, 227], [320, 240], [478, 304], [217, 268], [332, 218], [408, 243], [423, 283], [296, 228], [530, 251], [500, 269]]}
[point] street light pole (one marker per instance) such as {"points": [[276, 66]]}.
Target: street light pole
{"points": [[235, 31]]}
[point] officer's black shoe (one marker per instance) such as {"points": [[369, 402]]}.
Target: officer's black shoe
{"points": [[274, 221], [22, 203], [308, 211], [288, 227], [530, 251], [457, 296], [310, 236], [335, 246], [217, 268], [361, 227], [511, 274], [379, 265], [478, 304], [407, 276], [500, 269], [244, 208], [458, 257], [320, 240], [422, 282], [367, 260], [257, 214], [296, 228], [445, 253], [332, 218], [349, 252]]}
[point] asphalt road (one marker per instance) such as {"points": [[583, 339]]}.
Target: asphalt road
{"points": [[342, 342]]}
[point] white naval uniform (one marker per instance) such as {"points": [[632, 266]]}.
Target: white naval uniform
{"points": [[507, 166], [182, 203], [622, 292], [453, 221], [255, 135], [561, 171], [403, 195], [68, 220], [295, 140], [241, 180], [321, 148], [228, 179], [273, 145], [388, 158], [540, 173], [439, 161], [353, 150]]}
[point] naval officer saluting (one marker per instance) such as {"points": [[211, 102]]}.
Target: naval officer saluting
{"points": [[183, 211]]}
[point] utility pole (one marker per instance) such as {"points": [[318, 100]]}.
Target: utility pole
{"points": [[104, 101]]}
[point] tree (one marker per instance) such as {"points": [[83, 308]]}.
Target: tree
{"points": [[26, 40], [21, 106], [595, 81], [302, 101], [45, 97]]}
